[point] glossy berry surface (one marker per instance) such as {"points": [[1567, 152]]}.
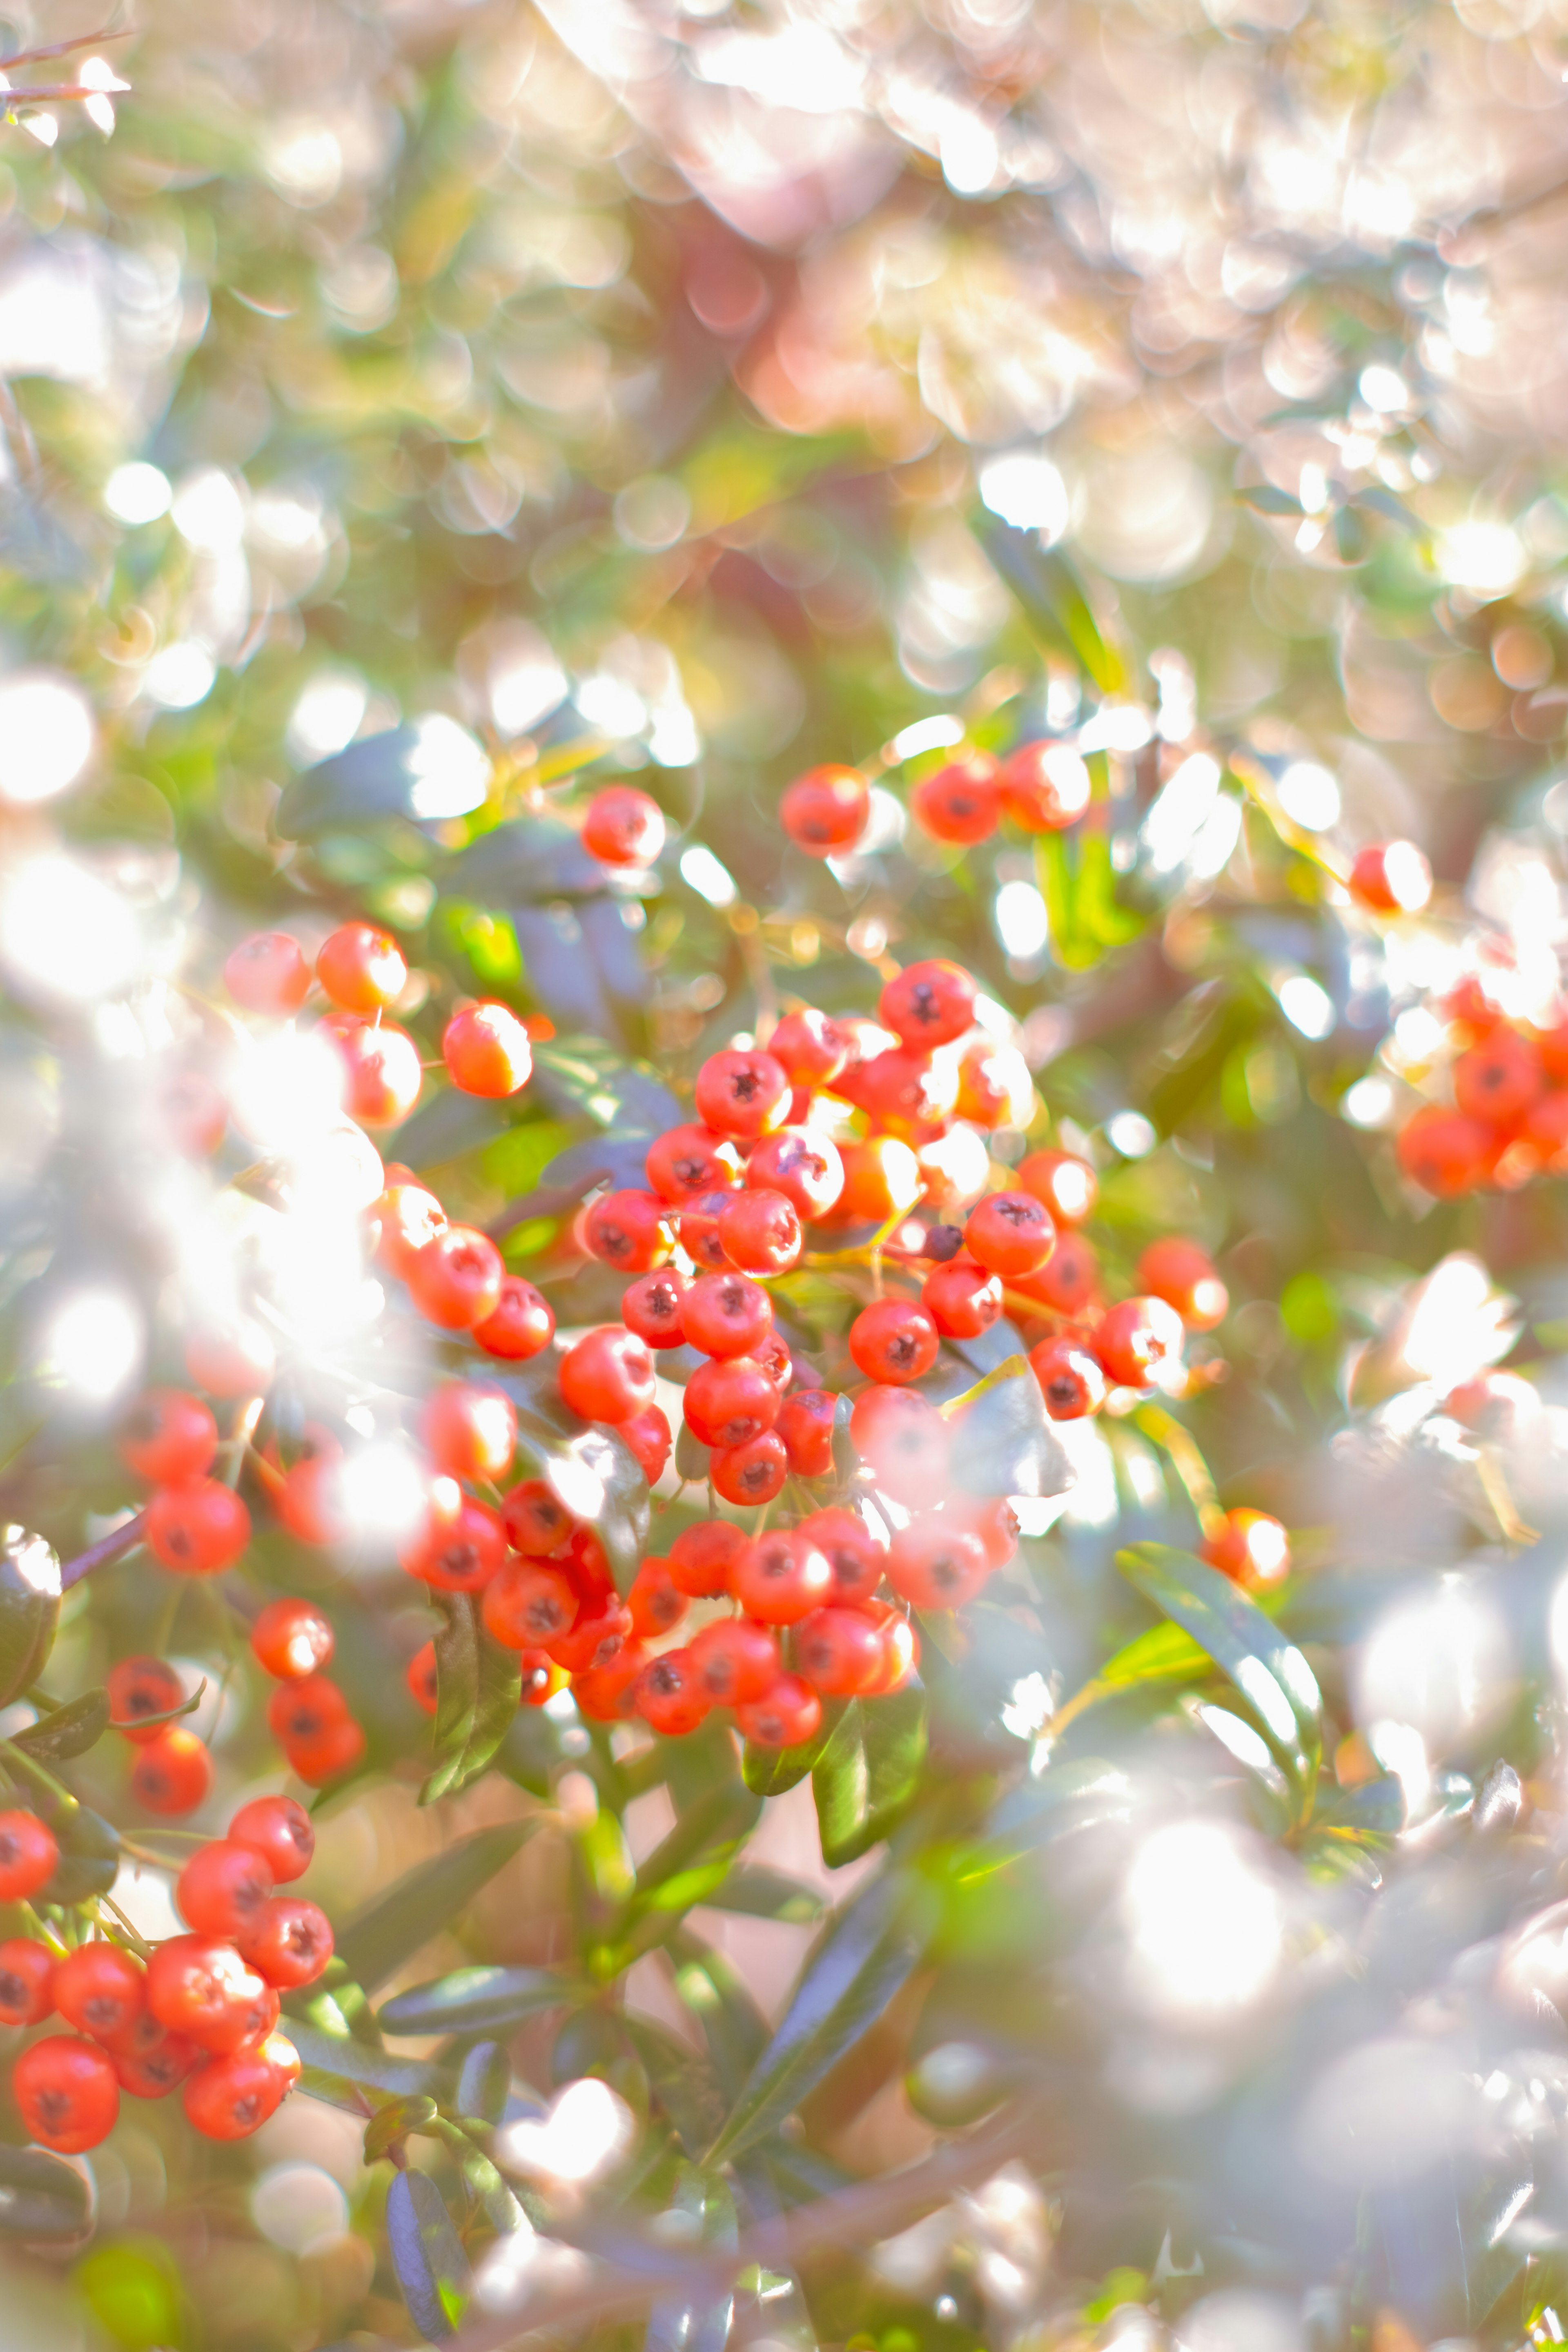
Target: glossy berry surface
{"points": [[894, 1341], [1010, 1233], [222, 1888], [652, 1307], [607, 1375], [362, 969], [291, 1638], [824, 812], [169, 1437], [280, 1831], [1136, 1338], [760, 1232], [521, 1324], [629, 1231], [28, 1854], [268, 973], [67, 2093], [172, 1773], [139, 1688], [1249, 1547], [742, 1094], [27, 1981], [487, 1051], [961, 802], [1071, 1379], [1392, 879], [782, 1577], [1044, 787], [455, 1279], [624, 826], [198, 1529], [470, 1430]]}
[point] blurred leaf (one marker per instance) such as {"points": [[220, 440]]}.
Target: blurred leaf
{"points": [[424, 1901], [1053, 600], [89, 1857], [600, 1479], [1391, 509], [380, 776], [42, 2196], [623, 1159], [1371, 1814], [1353, 542], [868, 1774], [676, 2324], [484, 2081], [1271, 501], [769, 1771], [695, 1858], [394, 2123], [447, 1124], [683, 2084], [132, 2290], [580, 1077], [477, 2001], [762, 1894], [734, 2027], [29, 1609], [526, 860], [70, 1731], [431, 2266], [1005, 1444], [478, 1685], [352, 2074]]}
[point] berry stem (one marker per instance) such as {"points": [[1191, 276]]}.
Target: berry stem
{"points": [[112, 1547], [1008, 1370]]}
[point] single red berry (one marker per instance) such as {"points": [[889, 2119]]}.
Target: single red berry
{"points": [[929, 1003], [901, 1656], [222, 1887], [630, 1230], [854, 1554], [1445, 1152], [687, 1161], [786, 1716], [1499, 1079], [231, 2097], [154, 2068], [100, 1990], [751, 1473], [624, 826], [66, 2093], [697, 1225], [825, 810], [742, 1094], [172, 1773], [1544, 1130], [961, 802], [906, 1086], [469, 1431], [881, 1180], [459, 1545], [455, 1279], [729, 1400], [539, 1677], [1068, 1282], [782, 1576], [196, 1530], [1010, 1233], [537, 1521], [289, 1639], [649, 1436], [812, 1046], [991, 1519], [735, 1661], [963, 1300], [236, 1360], [805, 1167], [1070, 1379], [27, 1981], [337, 1751], [303, 1710], [200, 1986], [651, 1307], [268, 973], [934, 1564], [193, 1113], [656, 1601], [726, 1314], [1183, 1275], [382, 1070], [805, 1428], [287, 1941], [670, 1696], [1134, 1338], [421, 1678], [1252, 1548], [608, 1693], [405, 1217], [1393, 879], [280, 1831], [309, 1501], [894, 1341], [760, 1232], [139, 1687], [1045, 787], [839, 1651], [607, 1375], [527, 1605], [594, 1640], [169, 1437], [904, 1439], [993, 1086], [702, 1558], [1065, 1185], [487, 1051], [522, 1324], [362, 969], [587, 1564]]}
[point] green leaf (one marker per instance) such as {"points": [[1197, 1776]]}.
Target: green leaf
{"points": [[29, 1609], [580, 1077], [1271, 501], [1353, 540], [1391, 509], [477, 2001], [484, 2082], [868, 1957], [525, 861], [1371, 1815], [675, 2324], [733, 2026], [1269, 1671], [431, 2266], [1004, 1442], [687, 1866], [392, 2124], [424, 1901], [89, 1856], [1164, 1653], [354, 2074], [869, 1772], [478, 1688], [683, 2084], [1049, 589], [42, 2196], [382, 775], [762, 1893], [70, 1731], [769, 1771], [448, 1124]]}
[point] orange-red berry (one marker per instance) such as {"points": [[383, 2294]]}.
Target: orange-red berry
{"points": [[825, 811], [290, 1638], [363, 969], [487, 1051], [624, 826]]}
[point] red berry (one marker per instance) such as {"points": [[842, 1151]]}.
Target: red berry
{"points": [[805, 1167], [100, 1990], [670, 1696], [268, 973], [702, 1558], [608, 1693], [853, 1552], [337, 1751], [66, 2093], [928, 1005], [1065, 1185], [193, 1112], [963, 1300], [382, 1072], [1499, 1079], [405, 1217], [961, 802], [773, 1354], [287, 1942], [302, 1711], [726, 1314], [238, 1360], [995, 1089], [222, 1888], [881, 1180], [139, 1687], [750, 1474], [1070, 1379], [528, 1605], [901, 1656], [656, 1601], [539, 1677], [1183, 1275], [594, 1639], [934, 1564], [608, 1375], [169, 1437], [420, 1678], [1544, 1130], [907, 1085], [1045, 787], [839, 1651], [455, 1279], [487, 1051], [280, 1831], [537, 1521], [1010, 1233], [804, 1427], [1390, 879], [905, 1441], [290, 1638], [1068, 1280], [812, 1046], [784, 1716], [624, 826], [231, 2097], [760, 1232], [27, 1981], [729, 1400], [172, 1773], [697, 1225], [735, 1661], [687, 1161], [1251, 1548], [782, 1576], [652, 1307], [1445, 1152], [742, 1094], [522, 1323], [630, 1230], [649, 1436], [470, 1432], [200, 1986], [309, 1501], [362, 969], [825, 810], [157, 2063], [196, 1530], [460, 1546], [991, 1520], [1135, 1337], [894, 1341]]}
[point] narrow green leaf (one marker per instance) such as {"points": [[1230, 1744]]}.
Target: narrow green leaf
{"points": [[869, 1772], [484, 2081], [580, 1077], [382, 775], [354, 2074], [695, 1858], [424, 1901], [1053, 600], [70, 1731], [477, 1686], [477, 2001], [683, 2084], [1271, 501], [762, 1893], [733, 2026], [1005, 1443], [675, 2324], [393, 2122], [431, 2266], [769, 1771], [29, 1609]]}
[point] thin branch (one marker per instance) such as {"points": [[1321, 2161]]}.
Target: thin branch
{"points": [[111, 1547], [64, 48]]}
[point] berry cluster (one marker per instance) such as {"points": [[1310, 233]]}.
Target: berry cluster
{"points": [[1041, 787], [1499, 1115], [200, 2010]]}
